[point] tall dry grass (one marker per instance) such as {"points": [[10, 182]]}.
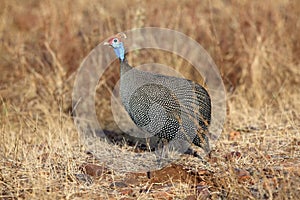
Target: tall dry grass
{"points": [[255, 44]]}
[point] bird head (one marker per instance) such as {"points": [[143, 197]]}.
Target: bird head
{"points": [[116, 43]]}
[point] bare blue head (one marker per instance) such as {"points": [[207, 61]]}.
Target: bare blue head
{"points": [[118, 46]]}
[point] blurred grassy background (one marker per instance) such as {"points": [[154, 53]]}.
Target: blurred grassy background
{"points": [[255, 44]]}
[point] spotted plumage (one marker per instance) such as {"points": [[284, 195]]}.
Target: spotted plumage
{"points": [[165, 106]]}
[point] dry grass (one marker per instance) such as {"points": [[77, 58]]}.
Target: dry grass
{"points": [[255, 44]]}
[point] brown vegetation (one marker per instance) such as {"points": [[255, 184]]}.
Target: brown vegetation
{"points": [[256, 46]]}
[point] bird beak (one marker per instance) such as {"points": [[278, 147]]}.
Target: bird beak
{"points": [[119, 35]]}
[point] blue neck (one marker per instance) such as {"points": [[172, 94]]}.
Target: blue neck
{"points": [[120, 51]]}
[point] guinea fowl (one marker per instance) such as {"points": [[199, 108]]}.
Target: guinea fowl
{"points": [[167, 107]]}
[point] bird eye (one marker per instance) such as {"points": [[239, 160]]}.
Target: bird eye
{"points": [[115, 40]]}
